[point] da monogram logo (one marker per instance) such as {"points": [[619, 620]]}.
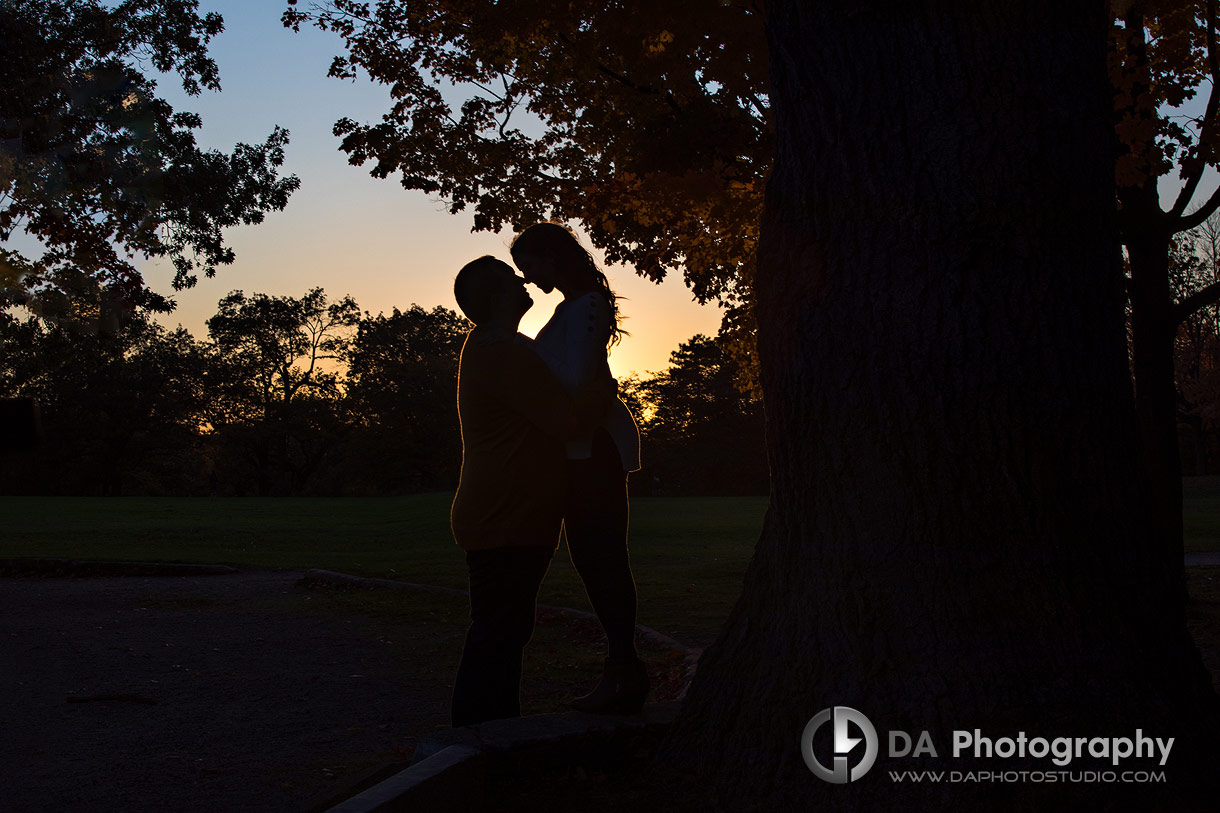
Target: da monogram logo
{"points": [[841, 717]]}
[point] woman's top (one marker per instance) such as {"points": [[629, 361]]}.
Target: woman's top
{"points": [[572, 343]]}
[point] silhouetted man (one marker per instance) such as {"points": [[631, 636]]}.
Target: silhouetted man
{"points": [[515, 417]]}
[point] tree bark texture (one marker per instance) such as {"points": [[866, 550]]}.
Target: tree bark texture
{"points": [[1153, 330], [1147, 232], [959, 530]]}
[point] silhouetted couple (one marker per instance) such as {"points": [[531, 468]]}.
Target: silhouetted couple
{"points": [[545, 444]]}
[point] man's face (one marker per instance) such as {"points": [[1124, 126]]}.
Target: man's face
{"points": [[512, 289]]}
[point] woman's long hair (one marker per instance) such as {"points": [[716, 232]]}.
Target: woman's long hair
{"points": [[555, 240]]}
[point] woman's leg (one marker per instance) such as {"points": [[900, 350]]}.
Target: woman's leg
{"points": [[596, 515], [504, 586]]}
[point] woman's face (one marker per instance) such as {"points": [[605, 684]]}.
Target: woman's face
{"points": [[539, 271]]}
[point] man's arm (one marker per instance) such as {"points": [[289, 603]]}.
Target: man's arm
{"points": [[532, 390]]}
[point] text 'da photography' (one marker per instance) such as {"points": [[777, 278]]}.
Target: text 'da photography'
{"points": [[841, 745]]}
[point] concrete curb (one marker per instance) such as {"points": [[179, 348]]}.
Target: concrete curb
{"points": [[446, 781], [690, 656], [457, 765]]}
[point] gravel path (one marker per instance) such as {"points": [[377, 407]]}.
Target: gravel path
{"points": [[205, 693]]}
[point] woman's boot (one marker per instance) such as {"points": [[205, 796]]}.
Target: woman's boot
{"points": [[621, 690]]}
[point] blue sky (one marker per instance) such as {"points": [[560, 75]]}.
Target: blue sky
{"points": [[350, 233], [353, 234]]}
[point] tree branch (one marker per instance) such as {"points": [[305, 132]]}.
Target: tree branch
{"points": [[1209, 117], [1199, 299], [618, 77], [1213, 59], [512, 108], [1196, 218], [488, 91], [623, 80], [763, 110], [483, 139]]}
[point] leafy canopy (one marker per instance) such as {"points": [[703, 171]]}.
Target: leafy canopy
{"points": [[1158, 60], [648, 123], [100, 169], [1163, 53]]}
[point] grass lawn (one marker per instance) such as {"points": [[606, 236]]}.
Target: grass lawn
{"points": [[1201, 513], [688, 554]]}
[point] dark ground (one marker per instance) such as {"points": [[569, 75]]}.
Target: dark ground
{"points": [[1203, 614], [653, 788], [200, 693], [248, 692]]}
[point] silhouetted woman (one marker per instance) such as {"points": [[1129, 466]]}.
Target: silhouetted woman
{"points": [[574, 341]]}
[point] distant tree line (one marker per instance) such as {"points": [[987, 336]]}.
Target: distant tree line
{"points": [[701, 434], [1194, 264], [305, 396]]}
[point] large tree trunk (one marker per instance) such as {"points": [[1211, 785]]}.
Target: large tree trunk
{"points": [[959, 534], [1153, 330], [1148, 234]]}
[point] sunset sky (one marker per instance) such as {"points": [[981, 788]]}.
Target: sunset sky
{"points": [[350, 233]]}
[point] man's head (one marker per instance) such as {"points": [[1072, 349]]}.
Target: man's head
{"points": [[489, 291]]}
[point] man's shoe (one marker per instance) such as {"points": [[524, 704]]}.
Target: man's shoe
{"points": [[621, 690]]}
